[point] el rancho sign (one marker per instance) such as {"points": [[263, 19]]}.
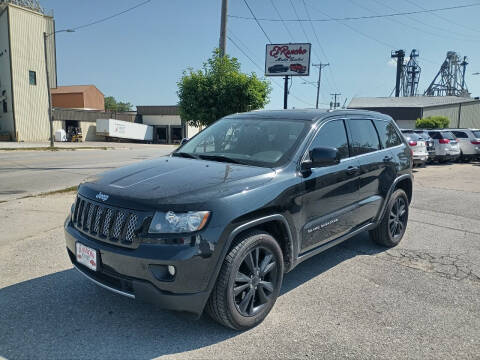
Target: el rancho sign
{"points": [[287, 59]]}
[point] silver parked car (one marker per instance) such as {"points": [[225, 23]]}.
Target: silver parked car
{"points": [[424, 136], [469, 141], [418, 147], [428, 139], [446, 145]]}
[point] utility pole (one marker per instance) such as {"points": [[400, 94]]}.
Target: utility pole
{"points": [[320, 67], [335, 104], [223, 29], [400, 56], [50, 120], [285, 94]]}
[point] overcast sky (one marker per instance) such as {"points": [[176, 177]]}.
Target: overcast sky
{"points": [[140, 56]]}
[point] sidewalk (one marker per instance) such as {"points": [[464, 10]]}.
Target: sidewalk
{"points": [[10, 145]]}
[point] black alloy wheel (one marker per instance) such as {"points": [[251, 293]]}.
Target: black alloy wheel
{"points": [[255, 281], [249, 281], [397, 218]]}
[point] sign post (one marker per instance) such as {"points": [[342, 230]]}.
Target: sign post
{"points": [[287, 60]]}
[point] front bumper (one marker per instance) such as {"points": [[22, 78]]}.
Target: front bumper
{"points": [[130, 272]]}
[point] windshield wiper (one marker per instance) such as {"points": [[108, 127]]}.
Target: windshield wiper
{"points": [[221, 158], [185, 155]]}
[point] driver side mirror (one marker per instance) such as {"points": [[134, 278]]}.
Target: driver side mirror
{"points": [[184, 141], [322, 156]]}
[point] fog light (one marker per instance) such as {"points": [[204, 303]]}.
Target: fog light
{"points": [[171, 270]]}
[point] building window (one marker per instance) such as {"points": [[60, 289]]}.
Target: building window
{"points": [[32, 77]]}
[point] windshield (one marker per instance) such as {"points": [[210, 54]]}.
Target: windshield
{"points": [[476, 133], [260, 142]]}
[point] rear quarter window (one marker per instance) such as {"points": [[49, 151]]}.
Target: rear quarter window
{"points": [[388, 133], [460, 134], [364, 138]]}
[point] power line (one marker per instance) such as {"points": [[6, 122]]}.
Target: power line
{"points": [[301, 25], [442, 17], [283, 22], [258, 22], [442, 36], [329, 19], [111, 16], [357, 31], [306, 35], [319, 45]]}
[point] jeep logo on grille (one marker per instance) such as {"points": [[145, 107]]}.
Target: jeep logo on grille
{"points": [[103, 197]]}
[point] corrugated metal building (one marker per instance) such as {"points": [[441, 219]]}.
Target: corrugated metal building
{"points": [[462, 112], [168, 126], [23, 89]]}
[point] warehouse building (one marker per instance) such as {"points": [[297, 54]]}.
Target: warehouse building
{"points": [[463, 112], [168, 126], [23, 88]]}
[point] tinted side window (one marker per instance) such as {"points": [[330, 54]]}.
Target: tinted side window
{"points": [[364, 138], [388, 134], [332, 134], [435, 135], [460, 134]]}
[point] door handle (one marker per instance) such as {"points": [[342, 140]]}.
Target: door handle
{"points": [[352, 170], [388, 158]]}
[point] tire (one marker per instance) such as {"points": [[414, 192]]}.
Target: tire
{"points": [[238, 311], [387, 233]]}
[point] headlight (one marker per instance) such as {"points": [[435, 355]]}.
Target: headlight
{"points": [[172, 223]]}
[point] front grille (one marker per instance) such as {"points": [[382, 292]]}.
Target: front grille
{"points": [[105, 223]]}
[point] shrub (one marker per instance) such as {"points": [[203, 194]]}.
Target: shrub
{"points": [[433, 122]]}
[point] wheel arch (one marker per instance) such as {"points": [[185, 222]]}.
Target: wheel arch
{"points": [[404, 182], [277, 226]]}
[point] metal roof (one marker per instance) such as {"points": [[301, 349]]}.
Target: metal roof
{"points": [[407, 102], [158, 110]]}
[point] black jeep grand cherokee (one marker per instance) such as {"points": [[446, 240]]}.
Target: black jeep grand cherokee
{"points": [[217, 223]]}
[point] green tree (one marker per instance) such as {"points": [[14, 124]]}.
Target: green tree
{"points": [[112, 105], [433, 122], [219, 89]]}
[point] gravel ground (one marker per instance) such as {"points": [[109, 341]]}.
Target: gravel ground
{"points": [[357, 300]]}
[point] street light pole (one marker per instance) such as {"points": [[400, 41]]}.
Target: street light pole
{"points": [[50, 120]]}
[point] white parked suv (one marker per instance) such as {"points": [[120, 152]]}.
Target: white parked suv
{"points": [[446, 145], [418, 146], [469, 141]]}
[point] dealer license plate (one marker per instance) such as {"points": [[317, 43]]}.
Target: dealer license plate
{"points": [[86, 256]]}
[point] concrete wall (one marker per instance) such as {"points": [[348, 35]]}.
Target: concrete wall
{"points": [[27, 51], [89, 131], [161, 120], [6, 119]]}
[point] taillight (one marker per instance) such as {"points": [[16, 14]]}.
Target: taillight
{"points": [[412, 143], [443, 141], [475, 142]]}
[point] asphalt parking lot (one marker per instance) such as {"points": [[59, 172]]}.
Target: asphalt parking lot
{"points": [[357, 300]]}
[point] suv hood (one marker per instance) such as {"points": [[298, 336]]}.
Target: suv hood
{"points": [[168, 180]]}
